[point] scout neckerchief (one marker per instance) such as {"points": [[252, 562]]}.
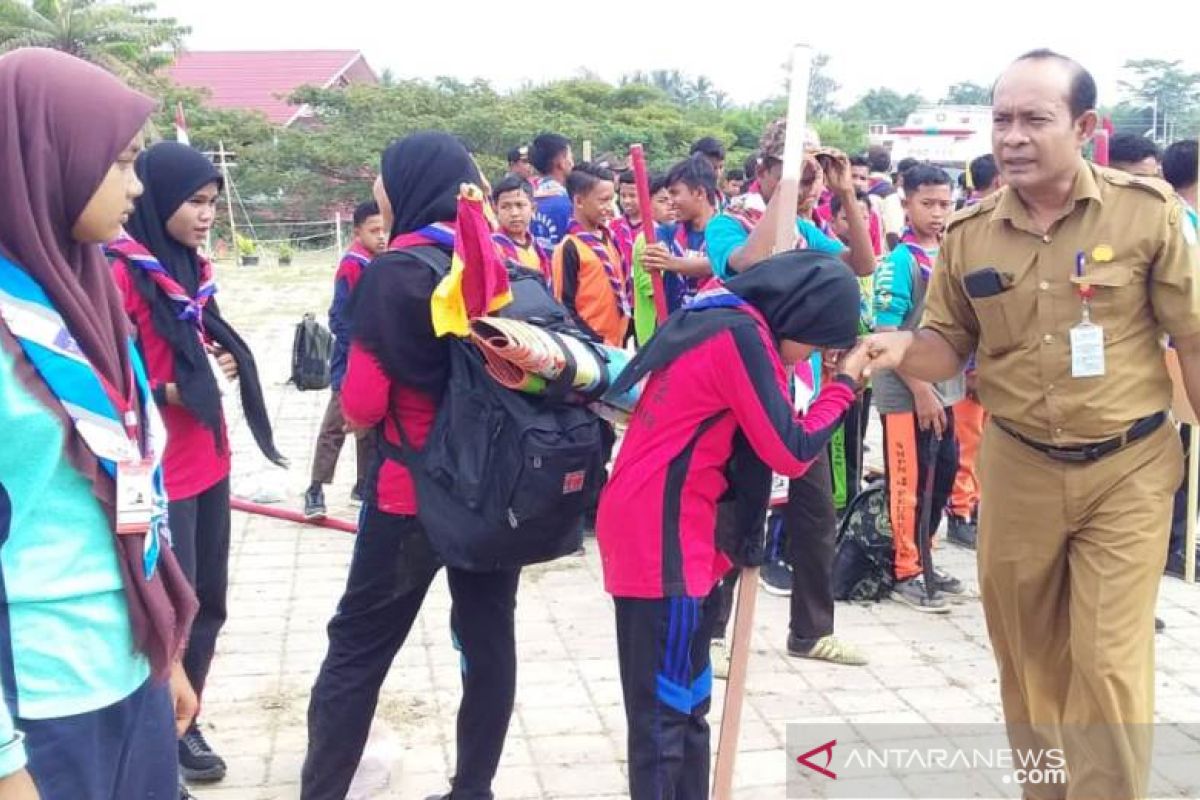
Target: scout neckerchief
{"points": [[624, 234], [512, 251], [358, 254], [439, 234], [109, 424], [188, 307], [617, 280], [909, 239], [747, 217]]}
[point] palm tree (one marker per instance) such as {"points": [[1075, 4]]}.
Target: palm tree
{"points": [[124, 38]]}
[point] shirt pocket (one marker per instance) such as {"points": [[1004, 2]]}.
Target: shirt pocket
{"points": [[1117, 296], [1005, 319]]}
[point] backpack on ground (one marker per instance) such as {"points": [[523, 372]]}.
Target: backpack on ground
{"points": [[311, 349], [863, 566], [504, 478]]}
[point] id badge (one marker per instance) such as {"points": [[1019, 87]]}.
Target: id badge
{"points": [[135, 496], [1087, 350]]}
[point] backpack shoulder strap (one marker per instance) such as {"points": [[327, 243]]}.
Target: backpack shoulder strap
{"points": [[433, 257]]}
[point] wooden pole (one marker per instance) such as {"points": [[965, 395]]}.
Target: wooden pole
{"points": [[337, 226], [587, 150], [743, 623], [237, 253], [1193, 486], [642, 179]]}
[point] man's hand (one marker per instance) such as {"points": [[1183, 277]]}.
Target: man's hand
{"points": [[184, 700], [837, 174], [656, 258], [18, 786], [930, 412], [886, 350], [854, 362]]}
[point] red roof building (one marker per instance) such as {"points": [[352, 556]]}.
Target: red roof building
{"points": [[262, 80]]}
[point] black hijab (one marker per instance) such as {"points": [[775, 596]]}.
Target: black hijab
{"points": [[803, 295], [421, 175], [171, 173]]}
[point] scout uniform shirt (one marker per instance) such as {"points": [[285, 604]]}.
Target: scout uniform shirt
{"points": [[1138, 255]]}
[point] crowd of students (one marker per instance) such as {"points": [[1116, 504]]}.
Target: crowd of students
{"points": [[114, 357]]}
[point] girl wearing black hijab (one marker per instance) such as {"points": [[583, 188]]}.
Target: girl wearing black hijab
{"points": [[191, 354], [395, 377], [716, 375]]}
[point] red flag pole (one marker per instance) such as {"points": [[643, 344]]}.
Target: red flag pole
{"points": [[238, 504], [642, 177]]}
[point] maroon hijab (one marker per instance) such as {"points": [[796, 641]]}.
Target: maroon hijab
{"points": [[63, 123]]}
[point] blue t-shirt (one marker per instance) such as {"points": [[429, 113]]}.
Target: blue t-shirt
{"points": [[552, 214], [67, 622], [725, 234]]}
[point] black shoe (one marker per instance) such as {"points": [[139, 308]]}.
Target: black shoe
{"points": [[439, 797], [911, 593], [197, 761], [1159, 625], [356, 495], [184, 794], [946, 583], [963, 532], [776, 578], [314, 502]]}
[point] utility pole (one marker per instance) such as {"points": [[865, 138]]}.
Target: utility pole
{"points": [[221, 154]]}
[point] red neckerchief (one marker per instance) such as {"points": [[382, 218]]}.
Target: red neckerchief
{"points": [[439, 234], [620, 284], [748, 218], [510, 249], [681, 240], [909, 239], [624, 234], [189, 308]]}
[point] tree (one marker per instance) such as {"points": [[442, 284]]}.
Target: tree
{"points": [[1175, 92], [967, 93], [821, 88], [884, 106], [126, 39]]}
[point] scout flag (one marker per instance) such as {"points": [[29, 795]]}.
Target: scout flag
{"points": [[477, 283]]}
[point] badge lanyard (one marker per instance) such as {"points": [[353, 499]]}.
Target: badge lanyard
{"points": [[1087, 338], [135, 472]]}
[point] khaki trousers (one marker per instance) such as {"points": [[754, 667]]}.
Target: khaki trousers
{"points": [[1070, 558]]}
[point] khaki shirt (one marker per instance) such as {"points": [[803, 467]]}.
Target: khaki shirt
{"points": [[1141, 262]]}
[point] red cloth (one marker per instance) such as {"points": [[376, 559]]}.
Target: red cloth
{"points": [[369, 397], [352, 265], [192, 462], [660, 506]]}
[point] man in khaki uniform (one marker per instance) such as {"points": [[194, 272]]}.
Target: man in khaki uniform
{"points": [[1078, 465]]}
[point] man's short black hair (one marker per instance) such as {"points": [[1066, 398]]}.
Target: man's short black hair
{"points": [[658, 182], [735, 175], [860, 160], [584, 178], [983, 171], [879, 159], [545, 149], [835, 205], [1130, 148], [708, 146], [512, 183], [925, 174], [1082, 95], [1179, 164], [906, 164], [364, 211], [517, 154], [695, 172], [627, 178]]}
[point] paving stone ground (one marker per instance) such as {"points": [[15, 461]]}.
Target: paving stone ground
{"points": [[567, 736]]}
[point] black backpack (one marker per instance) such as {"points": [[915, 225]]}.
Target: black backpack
{"points": [[311, 348], [863, 566], [505, 477]]}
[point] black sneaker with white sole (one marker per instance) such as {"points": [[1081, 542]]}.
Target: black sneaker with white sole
{"points": [[911, 592], [775, 577], [947, 584], [197, 761], [963, 532], [314, 502]]}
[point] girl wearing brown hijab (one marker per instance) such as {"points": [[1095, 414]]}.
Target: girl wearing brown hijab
{"points": [[93, 606]]}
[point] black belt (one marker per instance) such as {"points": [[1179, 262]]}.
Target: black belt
{"points": [[1091, 452]]}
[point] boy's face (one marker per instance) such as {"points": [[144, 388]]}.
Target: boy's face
{"points": [[595, 207], [928, 207], [812, 186], [769, 178], [629, 201], [514, 213], [841, 226], [861, 177], [688, 203], [663, 209], [732, 187], [372, 234]]}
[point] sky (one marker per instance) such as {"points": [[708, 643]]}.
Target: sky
{"points": [[870, 44]]}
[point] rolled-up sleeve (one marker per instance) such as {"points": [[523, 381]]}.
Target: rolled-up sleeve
{"points": [[1174, 290], [948, 311], [12, 744]]}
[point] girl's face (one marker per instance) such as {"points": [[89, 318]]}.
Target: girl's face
{"points": [[192, 221], [794, 352], [111, 204]]}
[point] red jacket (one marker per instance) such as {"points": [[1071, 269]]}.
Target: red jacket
{"points": [[192, 462], [656, 525], [369, 397]]}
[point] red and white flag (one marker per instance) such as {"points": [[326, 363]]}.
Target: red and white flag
{"points": [[181, 134]]}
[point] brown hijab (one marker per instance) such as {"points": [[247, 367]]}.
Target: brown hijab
{"points": [[63, 123]]}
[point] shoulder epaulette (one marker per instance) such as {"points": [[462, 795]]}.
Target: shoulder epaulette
{"points": [[1155, 187], [986, 205]]}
